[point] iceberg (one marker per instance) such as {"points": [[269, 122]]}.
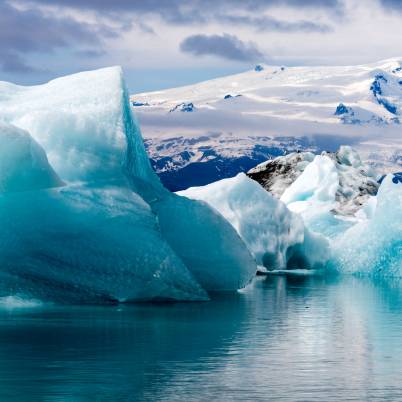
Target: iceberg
{"points": [[275, 236], [316, 185], [313, 195], [338, 196], [327, 190], [82, 243], [277, 174], [215, 254], [84, 217], [374, 246]]}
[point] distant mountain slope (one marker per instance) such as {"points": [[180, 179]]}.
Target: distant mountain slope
{"points": [[249, 114], [183, 162]]}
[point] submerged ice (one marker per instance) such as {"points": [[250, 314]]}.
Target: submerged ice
{"points": [[82, 214]]}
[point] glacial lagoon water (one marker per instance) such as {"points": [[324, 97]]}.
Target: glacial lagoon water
{"points": [[285, 339]]}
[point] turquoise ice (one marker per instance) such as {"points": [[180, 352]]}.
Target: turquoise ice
{"points": [[82, 214]]}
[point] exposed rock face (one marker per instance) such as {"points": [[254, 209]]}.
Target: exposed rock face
{"points": [[182, 162], [184, 107], [356, 181], [276, 175]]}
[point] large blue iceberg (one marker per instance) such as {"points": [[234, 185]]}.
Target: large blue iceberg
{"points": [[83, 217]]}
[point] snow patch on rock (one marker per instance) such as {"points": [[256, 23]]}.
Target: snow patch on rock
{"points": [[338, 182]]}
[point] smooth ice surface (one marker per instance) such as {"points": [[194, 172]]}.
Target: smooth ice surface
{"points": [[23, 163], [374, 246], [81, 243], [275, 236], [113, 231], [206, 242]]}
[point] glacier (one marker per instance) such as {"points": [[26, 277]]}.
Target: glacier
{"points": [[276, 237], [82, 214]]}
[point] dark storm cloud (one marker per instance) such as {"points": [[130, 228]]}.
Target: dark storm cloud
{"points": [[29, 31], [226, 46]]}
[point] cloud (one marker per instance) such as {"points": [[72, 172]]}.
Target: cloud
{"points": [[392, 4], [28, 31], [14, 63], [226, 46], [83, 27], [267, 23], [178, 12], [178, 6]]}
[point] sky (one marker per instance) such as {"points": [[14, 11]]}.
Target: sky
{"points": [[167, 43]]}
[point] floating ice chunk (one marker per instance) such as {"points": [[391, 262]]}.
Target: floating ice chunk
{"points": [[23, 163], [83, 243], [374, 246], [275, 236]]}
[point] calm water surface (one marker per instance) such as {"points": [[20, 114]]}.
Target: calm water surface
{"points": [[288, 339]]}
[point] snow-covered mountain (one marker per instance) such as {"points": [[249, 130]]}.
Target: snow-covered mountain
{"points": [[183, 162], [239, 120]]}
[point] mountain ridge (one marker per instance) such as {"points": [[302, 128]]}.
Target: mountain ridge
{"points": [[344, 105]]}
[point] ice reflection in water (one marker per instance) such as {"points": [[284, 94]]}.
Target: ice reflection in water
{"points": [[287, 339]]}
